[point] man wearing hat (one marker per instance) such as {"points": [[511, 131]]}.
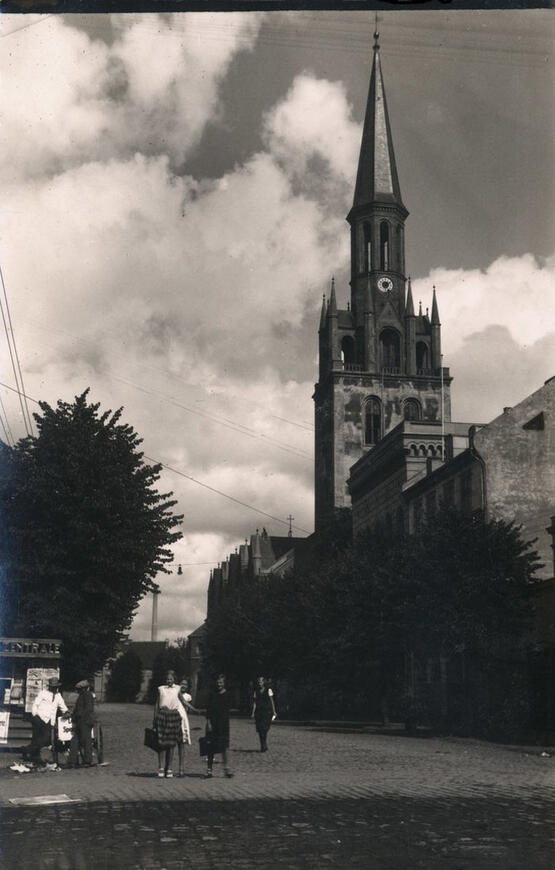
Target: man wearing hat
{"points": [[83, 721], [44, 710]]}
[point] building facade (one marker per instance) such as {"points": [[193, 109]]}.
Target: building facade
{"points": [[379, 362]]}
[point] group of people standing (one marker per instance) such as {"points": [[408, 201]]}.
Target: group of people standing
{"points": [[47, 707], [171, 722]]}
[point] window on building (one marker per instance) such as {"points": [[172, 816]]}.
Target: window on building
{"points": [[537, 423], [372, 421], [390, 348], [430, 504], [384, 246], [367, 247], [348, 350], [422, 356], [411, 410]]}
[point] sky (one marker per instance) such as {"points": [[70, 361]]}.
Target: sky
{"points": [[174, 197]]}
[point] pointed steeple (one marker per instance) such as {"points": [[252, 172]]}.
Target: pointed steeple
{"points": [[323, 314], [409, 308], [435, 312], [332, 310], [377, 179]]}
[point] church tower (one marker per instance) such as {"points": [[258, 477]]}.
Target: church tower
{"points": [[379, 362]]}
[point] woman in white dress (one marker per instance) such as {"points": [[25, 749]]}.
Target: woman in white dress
{"points": [[185, 729]]}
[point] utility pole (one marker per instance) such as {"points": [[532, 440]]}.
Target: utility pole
{"points": [[154, 629], [290, 533]]}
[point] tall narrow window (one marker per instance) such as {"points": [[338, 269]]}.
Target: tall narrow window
{"points": [[372, 421], [368, 247], [348, 351], [411, 410], [390, 347], [384, 246], [421, 356]]}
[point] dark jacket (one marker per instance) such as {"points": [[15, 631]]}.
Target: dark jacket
{"points": [[84, 709]]}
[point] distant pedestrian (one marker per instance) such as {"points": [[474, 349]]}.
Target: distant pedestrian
{"points": [[263, 710], [43, 718], [186, 704], [168, 723], [217, 725], [83, 719]]}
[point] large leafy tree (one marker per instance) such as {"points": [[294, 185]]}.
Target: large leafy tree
{"points": [[86, 531], [341, 632]]}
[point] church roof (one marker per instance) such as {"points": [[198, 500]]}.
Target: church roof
{"points": [[377, 178]]}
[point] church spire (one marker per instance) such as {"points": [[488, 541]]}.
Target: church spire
{"points": [[409, 309], [323, 314], [435, 312], [377, 179]]}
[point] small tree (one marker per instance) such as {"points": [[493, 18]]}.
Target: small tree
{"points": [[87, 531], [125, 678]]}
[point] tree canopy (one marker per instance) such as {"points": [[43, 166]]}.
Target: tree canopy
{"points": [[341, 632], [86, 531]]}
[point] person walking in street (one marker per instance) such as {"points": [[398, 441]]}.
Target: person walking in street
{"points": [[217, 725], [43, 712], [83, 719], [168, 723], [263, 710], [186, 704]]}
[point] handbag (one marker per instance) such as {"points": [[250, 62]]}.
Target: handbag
{"points": [[151, 739], [206, 745]]}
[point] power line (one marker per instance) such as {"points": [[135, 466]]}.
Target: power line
{"points": [[305, 425], [224, 494], [6, 425], [223, 421], [199, 482], [14, 358]]}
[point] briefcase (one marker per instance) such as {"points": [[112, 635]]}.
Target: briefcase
{"points": [[151, 739]]}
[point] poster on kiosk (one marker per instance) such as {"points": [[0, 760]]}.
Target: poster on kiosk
{"points": [[37, 679]]}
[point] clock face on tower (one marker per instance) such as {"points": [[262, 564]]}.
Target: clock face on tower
{"points": [[385, 284]]}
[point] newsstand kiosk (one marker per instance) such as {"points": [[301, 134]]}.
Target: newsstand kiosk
{"points": [[26, 665]]}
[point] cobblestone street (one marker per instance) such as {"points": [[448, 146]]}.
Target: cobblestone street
{"points": [[320, 797]]}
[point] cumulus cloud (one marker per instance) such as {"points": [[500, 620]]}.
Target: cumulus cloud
{"points": [[497, 331], [313, 135], [192, 301], [67, 98]]}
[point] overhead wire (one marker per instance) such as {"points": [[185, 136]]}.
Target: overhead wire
{"points": [[12, 347], [199, 482], [167, 372], [224, 494], [223, 421], [6, 425]]}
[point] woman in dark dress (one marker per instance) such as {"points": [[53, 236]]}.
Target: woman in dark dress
{"points": [[217, 724], [263, 710]]}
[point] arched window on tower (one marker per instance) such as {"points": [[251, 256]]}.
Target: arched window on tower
{"points": [[399, 252], [367, 247], [372, 420], [348, 351], [390, 348], [384, 246], [412, 410], [422, 357]]}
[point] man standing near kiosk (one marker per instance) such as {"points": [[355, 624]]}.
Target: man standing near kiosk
{"points": [[83, 721]]}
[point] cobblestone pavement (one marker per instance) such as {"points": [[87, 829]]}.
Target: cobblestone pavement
{"points": [[318, 798]]}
